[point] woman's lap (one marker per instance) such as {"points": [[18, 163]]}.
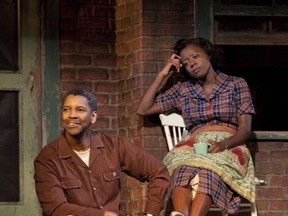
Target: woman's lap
{"points": [[209, 183]]}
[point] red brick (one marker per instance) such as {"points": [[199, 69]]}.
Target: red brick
{"points": [[68, 23], [104, 60], [269, 167], [67, 47], [95, 36], [106, 87], [272, 193], [76, 84], [108, 110], [279, 180], [68, 3], [102, 98], [102, 122], [76, 59], [93, 48], [98, 2], [85, 11], [92, 24], [67, 74], [92, 74], [279, 155], [278, 204], [68, 35]]}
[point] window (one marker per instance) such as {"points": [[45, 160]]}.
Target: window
{"points": [[9, 145], [253, 35], [9, 36], [265, 69], [262, 22]]}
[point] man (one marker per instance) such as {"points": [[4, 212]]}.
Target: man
{"points": [[79, 172]]}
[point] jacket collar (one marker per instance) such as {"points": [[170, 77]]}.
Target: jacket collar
{"points": [[65, 151]]}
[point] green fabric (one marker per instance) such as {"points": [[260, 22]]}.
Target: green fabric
{"points": [[234, 166]]}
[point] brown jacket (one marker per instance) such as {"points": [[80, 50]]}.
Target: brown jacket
{"points": [[66, 186]]}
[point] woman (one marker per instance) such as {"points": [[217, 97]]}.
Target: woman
{"points": [[216, 108]]}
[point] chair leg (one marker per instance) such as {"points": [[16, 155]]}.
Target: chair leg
{"points": [[253, 209]]}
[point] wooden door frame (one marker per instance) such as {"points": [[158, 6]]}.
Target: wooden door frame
{"points": [[51, 72]]}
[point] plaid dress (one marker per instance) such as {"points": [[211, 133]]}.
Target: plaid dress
{"points": [[230, 99], [209, 183], [225, 175]]}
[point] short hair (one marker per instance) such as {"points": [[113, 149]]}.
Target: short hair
{"points": [[89, 95], [215, 53]]}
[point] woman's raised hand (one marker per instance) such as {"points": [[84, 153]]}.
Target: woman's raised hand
{"points": [[173, 64]]}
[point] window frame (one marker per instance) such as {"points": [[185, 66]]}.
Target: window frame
{"points": [[205, 27]]}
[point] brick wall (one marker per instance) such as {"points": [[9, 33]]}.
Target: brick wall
{"points": [[271, 164], [88, 57], [114, 48]]}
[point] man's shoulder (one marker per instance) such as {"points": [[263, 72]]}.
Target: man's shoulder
{"points": [[104, 137], [49, 149], [100, 134]]}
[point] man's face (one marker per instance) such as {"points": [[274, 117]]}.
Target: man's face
{"points": [[76, 115]]}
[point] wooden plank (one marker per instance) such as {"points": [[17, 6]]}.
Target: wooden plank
{"points": [[269, 135], [241, 10], [242, 38], [203, 19]]}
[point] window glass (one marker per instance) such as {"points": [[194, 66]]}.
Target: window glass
{"points": [[9, 147], [8, 35]]}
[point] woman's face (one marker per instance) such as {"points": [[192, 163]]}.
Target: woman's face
{"points": [[196, 61]]}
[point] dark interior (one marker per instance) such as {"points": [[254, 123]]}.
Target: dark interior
{"points": [[265, 69]]}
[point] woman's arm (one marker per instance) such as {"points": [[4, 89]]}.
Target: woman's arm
{"points": [[147, 105], [241, 135]]}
